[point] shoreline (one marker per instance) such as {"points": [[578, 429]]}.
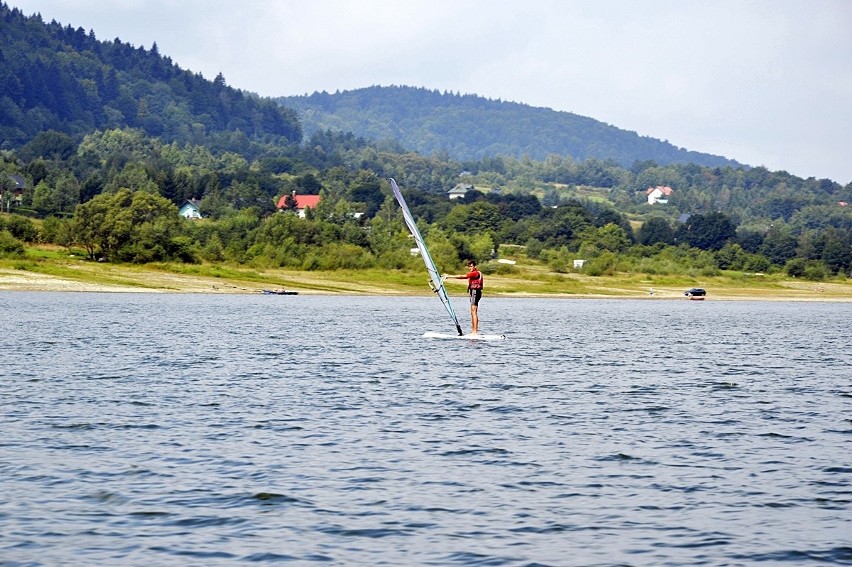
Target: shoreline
{"points": [[155, 281]]}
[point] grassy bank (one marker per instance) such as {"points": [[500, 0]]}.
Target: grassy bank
{"points": [[54, 269]]}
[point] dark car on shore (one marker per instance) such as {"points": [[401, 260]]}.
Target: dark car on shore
{"points": [[695, 293]]}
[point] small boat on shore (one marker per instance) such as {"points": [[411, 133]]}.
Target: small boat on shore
{"points": [[278, 292], [695, 293]]}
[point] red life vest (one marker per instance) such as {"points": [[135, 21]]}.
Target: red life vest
{"points": [[476, 281]]}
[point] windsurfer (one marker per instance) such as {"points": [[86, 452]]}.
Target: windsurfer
{"points": [[474, 289]]}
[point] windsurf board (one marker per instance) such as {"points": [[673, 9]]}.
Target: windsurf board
{"points": [[478, 337]]}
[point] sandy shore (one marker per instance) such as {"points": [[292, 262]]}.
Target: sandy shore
{"points": [[123, 280], [11, 280]]}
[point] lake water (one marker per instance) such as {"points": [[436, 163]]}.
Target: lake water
{"points": [[146, 429]]}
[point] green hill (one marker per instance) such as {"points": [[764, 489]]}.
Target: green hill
{"points": [[65, 79], [469, 127], [101, 142]]}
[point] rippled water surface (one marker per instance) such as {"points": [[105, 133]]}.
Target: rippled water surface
{"points": [[142, 429]]}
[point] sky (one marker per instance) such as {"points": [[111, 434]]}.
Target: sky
{"points": [[765, 82]]}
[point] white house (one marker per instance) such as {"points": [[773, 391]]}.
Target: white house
{"points": [[190, 210], [460, 190], [658, 194]]}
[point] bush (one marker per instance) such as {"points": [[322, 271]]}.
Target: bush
{"points": [[815, 272], [184, 249], [10, 247], [603, 265], [757, 263], [557, 260], [19, 227], [57, 231], [498, 268], [534, 248], [812, 270], [795, 268]]}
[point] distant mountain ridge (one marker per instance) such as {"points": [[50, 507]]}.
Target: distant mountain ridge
{"points": [[470, 127], [59, 78], [55, 77]]}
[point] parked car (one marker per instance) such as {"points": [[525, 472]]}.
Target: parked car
{"points": [[695, 293]]}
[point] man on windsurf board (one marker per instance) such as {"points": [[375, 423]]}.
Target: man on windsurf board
{"points": [[474, 289]]}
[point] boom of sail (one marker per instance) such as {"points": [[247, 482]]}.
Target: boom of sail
{"points": [[435, 281]]}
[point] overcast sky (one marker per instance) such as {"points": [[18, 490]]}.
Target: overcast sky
{"points": [[765, 82]]}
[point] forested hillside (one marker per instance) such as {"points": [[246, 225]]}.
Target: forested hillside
{"points": [[102, 142], [469, 127], [58, 78]]}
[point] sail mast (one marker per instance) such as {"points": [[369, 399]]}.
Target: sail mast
{"points": [[436, 282]]}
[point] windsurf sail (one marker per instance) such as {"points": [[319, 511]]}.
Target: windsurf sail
{"points": [[435, 281]]}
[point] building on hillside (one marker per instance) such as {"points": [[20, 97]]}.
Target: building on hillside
{"points": [[15, 194], [190, 209], [658, 194], [303, 202], [460, 190]]}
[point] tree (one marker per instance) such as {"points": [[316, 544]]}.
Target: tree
{"points": [[133, 176], [89, 224], [474, 218], [290, 202], [7, 191], [612, 238], [708, 232], [67, 193], [49, 145], [135, 226], [779, 245], [482, 247], [750, 240], [731, 257], [44, 198], [557, 227], [837, 251], [388, 239], [654, 176], [115, 148], [367, 189], [442, 250], [654, 230]]}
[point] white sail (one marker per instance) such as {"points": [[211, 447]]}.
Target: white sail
{"points": [[434, 275]]}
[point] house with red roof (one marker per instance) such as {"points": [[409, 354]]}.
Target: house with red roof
{"points": [[302, 202], [658, 194]]}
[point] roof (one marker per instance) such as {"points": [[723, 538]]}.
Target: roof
{"points": [[302, 201], [461, 188], [190, 209], [664, 189], [20, 182], [192, 203]]}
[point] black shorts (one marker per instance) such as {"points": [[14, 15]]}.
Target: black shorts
{"points": [[475, 296]]}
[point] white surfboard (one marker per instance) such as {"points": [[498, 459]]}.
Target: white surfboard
{"points": [[479, 337]]}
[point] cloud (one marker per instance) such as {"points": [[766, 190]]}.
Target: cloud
{"points": [[766, 82]]}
